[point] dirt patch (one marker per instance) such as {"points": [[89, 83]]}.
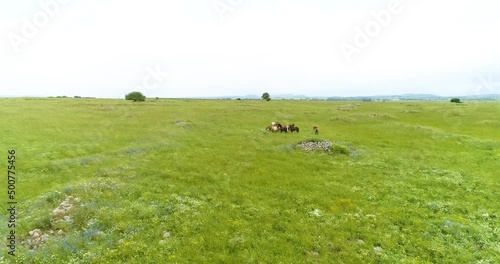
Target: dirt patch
{"points": [[183, 124], [348, 107], [493, 123]]}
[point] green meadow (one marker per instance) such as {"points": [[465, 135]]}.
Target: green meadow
{"points": [[202, 181]]}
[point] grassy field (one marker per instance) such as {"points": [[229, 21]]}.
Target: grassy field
{"points": [[195, 181]]}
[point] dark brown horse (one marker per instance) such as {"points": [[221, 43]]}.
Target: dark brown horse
{"points": [[292, 128], [316, 130]]}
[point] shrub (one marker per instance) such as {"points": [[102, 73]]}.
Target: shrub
{"points": [[339, 149], [455, 100]]}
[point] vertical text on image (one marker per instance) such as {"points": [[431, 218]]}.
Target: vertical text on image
{"points": [[11, 202]]}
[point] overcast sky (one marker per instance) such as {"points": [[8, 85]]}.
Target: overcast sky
{"points": [[176, 48]]}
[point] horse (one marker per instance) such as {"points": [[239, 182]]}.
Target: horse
{"points": [[274, 128], [292, 128], [316, 130], [283, 129]]}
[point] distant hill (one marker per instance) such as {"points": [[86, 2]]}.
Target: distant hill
{"points": [[431, 97], [419, 96], [481, 97]]}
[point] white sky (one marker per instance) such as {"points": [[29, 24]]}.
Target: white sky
{"points": [[107, 48]]}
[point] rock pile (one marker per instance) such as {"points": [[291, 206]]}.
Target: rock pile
{"points": [[311, 146], [36, 238], [62, 211]]}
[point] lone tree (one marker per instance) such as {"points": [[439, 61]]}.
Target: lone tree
{"points": [[455, 100], [266, 96], [135, 96]]}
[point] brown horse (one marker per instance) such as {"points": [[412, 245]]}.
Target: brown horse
{"points": [[316, 130], [292, 128]]}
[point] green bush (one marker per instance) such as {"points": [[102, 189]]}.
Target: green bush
{"points": [[339, 149], [455, 100], [135, 96]]}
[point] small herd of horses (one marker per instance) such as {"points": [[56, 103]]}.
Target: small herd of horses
{"points": [[277, 127]]}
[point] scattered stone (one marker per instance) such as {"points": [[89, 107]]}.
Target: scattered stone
{"points": [[378, 250], [60, 232], [360, 241], [166, 234], [316, 212], [162, 242]]}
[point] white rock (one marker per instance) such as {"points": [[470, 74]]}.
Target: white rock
{"points": [[44, 237], [316, 212], [378, 250]]}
